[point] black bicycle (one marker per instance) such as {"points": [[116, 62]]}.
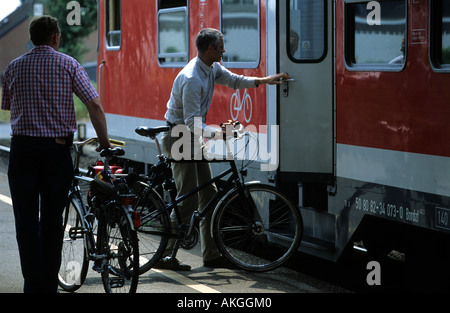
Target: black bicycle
{"points": [[100, 228], [255, 226]]}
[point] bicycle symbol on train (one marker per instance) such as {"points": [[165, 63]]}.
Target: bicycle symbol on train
{"points": [[237, 104]]}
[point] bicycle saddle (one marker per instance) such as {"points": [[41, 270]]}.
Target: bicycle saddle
{"points": [[151, 132]]}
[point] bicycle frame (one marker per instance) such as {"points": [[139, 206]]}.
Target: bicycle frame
{"points": [[167, 179], [233, 180]]}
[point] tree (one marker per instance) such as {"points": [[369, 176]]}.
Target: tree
{"points": [[73, 34]]}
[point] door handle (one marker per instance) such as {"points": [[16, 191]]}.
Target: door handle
{"points": [[286, 86]]}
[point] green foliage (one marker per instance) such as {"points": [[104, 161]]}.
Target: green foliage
{"points": [[81, 111], [446, 55], [72, 35]]}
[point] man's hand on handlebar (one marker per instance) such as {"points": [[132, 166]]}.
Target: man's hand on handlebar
{"points": [[101, 147], [110, 144]]}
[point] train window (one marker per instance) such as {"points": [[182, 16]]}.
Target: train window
{"points": [[113, 24], [375, 35], [173, 33], [240, 25], [307, 35], [440, 34], [166, 4]]}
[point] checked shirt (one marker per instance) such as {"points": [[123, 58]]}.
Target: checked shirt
{"points": [[38, 89]]}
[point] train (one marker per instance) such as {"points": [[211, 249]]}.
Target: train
{"points": [[358, 137]]}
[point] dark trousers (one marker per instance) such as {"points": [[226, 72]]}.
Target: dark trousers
{"points": [[40, 173]]}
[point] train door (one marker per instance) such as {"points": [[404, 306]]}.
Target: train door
{"points": [[306, 110]]}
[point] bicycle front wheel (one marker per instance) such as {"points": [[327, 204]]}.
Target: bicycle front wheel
{"points": [[257, 228], [74, 259], [118, 248]]}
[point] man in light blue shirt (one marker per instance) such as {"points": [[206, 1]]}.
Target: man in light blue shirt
{"points": [[193, 90], [188, 106]]}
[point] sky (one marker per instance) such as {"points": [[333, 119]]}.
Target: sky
{"points": [[7, 7]]}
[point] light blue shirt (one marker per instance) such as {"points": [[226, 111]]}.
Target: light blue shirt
{"points": [[193, 90]]}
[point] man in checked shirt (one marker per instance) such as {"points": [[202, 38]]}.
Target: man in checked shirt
{"points": [[38, 89]]}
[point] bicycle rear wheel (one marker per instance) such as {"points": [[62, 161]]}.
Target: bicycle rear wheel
{"points": [[153, 233], [260, 232], [74, 259], [117, 243]]}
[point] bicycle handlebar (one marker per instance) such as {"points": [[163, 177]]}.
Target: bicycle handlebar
{"points": [[232, 129], [78, 144]]}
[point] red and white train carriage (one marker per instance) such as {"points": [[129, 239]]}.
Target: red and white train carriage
{"points": [[362, 136]]}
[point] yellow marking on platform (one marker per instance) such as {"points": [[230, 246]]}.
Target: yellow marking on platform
{"points": [[185, 281], [6, 199]]}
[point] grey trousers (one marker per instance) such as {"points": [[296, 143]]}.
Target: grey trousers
{"points": [[188, 176]]}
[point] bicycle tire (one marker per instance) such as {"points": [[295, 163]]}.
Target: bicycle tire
{"points": [[117, 243], [260, 239], [153, 233], [74, 258]]}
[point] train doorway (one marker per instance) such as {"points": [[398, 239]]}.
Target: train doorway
{"points": [[306, 106]]}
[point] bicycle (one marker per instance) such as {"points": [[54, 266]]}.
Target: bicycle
{"points": [[101, 231], [255, 226]]}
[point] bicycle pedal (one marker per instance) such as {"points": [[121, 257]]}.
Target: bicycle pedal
{"points": [[117, 282], [76, 232]]}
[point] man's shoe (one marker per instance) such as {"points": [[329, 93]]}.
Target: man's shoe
{"points": [[220, 262], [173, 264]]}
